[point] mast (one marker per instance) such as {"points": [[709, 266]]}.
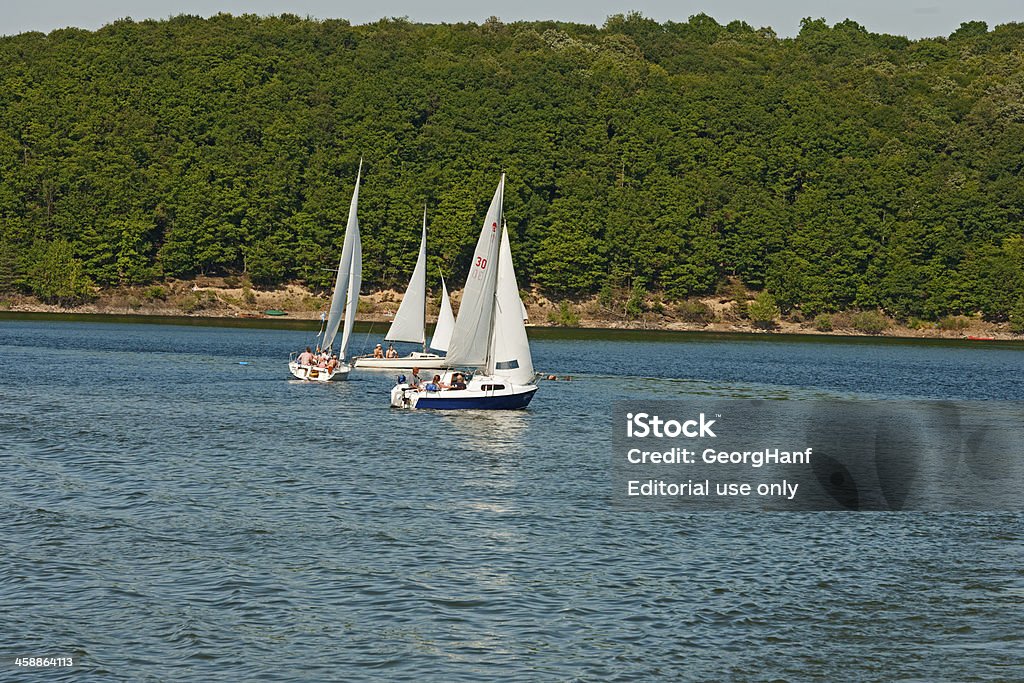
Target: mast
{"points": [[489, 363], [424, 280], [355, 264]]}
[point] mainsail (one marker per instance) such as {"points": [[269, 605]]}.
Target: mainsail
{"points": [[471, 338], [349, 264], [355, 283], [410, 321]]}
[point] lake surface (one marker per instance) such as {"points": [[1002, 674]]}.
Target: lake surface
{"points": [[171, 514]]}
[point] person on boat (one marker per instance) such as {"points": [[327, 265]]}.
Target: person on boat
{"points": [[458, 381], [378, 352], [332, 363], [434, 384], [391, 351], [415, 380], [306, 357]]}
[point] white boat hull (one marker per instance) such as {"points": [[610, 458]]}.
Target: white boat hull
{"points": [[482, 393], [314, 374], [425, 361]]}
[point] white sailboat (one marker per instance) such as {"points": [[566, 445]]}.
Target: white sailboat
{"points": [[410, 323], [344, 302], [489, 334]]}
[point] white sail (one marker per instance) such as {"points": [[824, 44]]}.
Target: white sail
{"points": [[355, 282], [445, 322], [410, 321], [338, 298], [344, 278], [522, 306], [470, 343], [510, 353]]}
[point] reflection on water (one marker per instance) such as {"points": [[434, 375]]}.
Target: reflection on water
{"points": [[489, 431]]}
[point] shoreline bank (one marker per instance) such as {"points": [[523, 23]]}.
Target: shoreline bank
{"points": [[309, 320], [227, 299]]}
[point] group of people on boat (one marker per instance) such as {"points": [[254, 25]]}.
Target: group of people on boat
{"points": [[379, 352], [323, 359], [435, 384]]}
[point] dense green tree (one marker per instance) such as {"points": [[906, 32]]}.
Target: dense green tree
{"points": [[56, 276], [838, 169], [265, 263], [11, 268]]}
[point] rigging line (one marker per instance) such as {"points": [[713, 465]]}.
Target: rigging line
{"points": [[323, 324], [424, 277], [366, 341]]}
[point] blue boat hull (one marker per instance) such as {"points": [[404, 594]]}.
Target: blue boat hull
{"points": [[506, 402]]}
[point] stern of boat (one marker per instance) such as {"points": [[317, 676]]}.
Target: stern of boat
{"points": [[404, 396], [313, 374]]}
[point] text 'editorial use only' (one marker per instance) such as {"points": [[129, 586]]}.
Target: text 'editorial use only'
{"points": [[817, 455]]}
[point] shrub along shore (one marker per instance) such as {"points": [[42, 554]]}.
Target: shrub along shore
{"points": [[734, 310]]}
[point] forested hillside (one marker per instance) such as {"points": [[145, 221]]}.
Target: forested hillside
{"points": [[838, 170]]}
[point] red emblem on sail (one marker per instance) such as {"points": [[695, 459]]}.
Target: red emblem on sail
{"points": [[494, 227]]}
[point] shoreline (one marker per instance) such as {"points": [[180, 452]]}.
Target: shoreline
{"points": [[302, 320], [230, 301]]}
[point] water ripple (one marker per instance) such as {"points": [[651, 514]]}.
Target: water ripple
{"points": [[172, 516]]}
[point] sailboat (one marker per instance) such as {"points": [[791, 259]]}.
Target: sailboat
{"points": [[344, 302], [410, 323], [489, 334]]}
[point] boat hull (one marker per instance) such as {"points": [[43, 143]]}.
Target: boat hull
{"points": [[511, 397], [425, 361], [310, 373]]}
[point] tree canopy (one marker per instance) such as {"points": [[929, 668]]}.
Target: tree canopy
{"points": [[837, 169]]}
